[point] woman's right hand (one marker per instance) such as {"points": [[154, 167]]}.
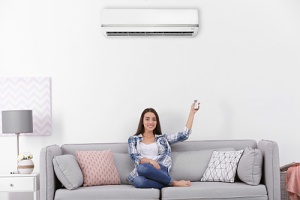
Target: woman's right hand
{"points": [[150, 161], [155, 164]]}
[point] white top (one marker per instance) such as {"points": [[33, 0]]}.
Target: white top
{"points": [[148, 150]]}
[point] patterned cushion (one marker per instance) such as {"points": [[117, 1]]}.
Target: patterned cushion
{"points": [[98, 168], [222, 166]]}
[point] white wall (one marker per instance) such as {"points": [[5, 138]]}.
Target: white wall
{"points": [[243, 66]]}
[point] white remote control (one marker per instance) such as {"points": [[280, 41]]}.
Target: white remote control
{"points": [[196, 106]]}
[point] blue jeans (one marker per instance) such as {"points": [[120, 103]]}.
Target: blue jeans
{"points": [[150, 177]]}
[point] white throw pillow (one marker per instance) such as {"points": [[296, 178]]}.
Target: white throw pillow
{"points": [[222, 166]]}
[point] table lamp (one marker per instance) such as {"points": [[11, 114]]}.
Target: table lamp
{"points": [[17, 121]]}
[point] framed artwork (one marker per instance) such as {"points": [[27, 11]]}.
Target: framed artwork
{"points": [[28, 93]]}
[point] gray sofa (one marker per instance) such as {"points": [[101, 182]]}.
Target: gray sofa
{"points": [[267, 189]]}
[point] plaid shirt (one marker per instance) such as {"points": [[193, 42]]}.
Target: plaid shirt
{"points": [[164, 150]]}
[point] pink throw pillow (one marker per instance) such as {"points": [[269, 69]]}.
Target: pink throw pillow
{"points": [[98, 168]]}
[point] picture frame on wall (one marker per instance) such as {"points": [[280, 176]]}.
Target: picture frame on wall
{"points": [[28, 93]]}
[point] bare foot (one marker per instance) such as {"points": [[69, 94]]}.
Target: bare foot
{"points": [[181, 183]]}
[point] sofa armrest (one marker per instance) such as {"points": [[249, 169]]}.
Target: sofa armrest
{"points": [[271, 168], [47, 176]]}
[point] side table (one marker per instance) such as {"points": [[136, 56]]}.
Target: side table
{"points": [[21, 183]]}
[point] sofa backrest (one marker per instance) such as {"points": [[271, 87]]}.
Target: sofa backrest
{"points": [[195, 154], [120, 153]]}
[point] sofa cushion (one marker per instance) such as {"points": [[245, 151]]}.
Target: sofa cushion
{"points": [[124, 166], [98, 168], [215, 191], [191, 165], [250, 166], [107, 192], [222, 166], [68, 171]]}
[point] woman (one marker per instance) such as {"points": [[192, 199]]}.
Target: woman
{"points": [[151, 152]]}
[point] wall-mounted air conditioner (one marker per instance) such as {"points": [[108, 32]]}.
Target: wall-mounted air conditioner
{"points": [[150, 22]]}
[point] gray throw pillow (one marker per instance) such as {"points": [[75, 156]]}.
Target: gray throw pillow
{"points": [[124, 166], [191, 165], [250, 166], [68, 171]]}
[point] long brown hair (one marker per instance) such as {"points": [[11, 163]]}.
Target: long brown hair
{"points": [[141, 128]]}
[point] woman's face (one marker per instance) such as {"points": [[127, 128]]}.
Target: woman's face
{"points": [[149, 121]]}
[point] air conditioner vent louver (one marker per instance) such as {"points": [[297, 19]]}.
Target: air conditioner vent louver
{"points": [[150, 22], [134, 34]]}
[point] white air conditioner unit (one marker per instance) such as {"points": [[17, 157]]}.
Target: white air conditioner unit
{"points": [[150, 22]]}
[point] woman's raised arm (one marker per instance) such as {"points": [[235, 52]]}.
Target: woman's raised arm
{"points": [[190, 120]]}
